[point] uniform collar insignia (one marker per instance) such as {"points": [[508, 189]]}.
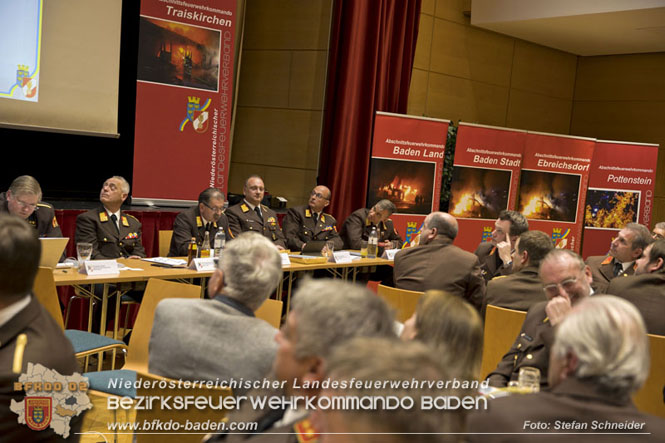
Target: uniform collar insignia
{"points": [[244, 208], [308, 213], [103, 217], [607, 260], [198, 222], [305, 432]]}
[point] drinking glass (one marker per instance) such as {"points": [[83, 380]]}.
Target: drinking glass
{"points": [[83, 252], [330, 248], [363, 248], [529, 379]]}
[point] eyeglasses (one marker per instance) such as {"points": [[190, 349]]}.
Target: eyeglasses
{"points": [[318, 195], [567, 285], [215, 210], [657, 236], [23, 204]]}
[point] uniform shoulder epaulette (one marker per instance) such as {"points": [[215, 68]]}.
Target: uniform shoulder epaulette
{"points": [[44, 205], [130, 215], [329, 216], [498, 277]]}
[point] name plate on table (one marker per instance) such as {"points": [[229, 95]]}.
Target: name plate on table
{"points": [[286, 261], [389, 254], [205, 264], [342, 257], [100, 267]]}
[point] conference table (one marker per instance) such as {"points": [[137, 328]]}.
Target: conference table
{"points": [[142, 270]]}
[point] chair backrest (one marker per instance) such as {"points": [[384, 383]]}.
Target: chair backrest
{"points": [[501, 329], [156, 290], [649, 399], [404, 302], [44, 290], [164, 242], [270, 311], [182, 416]]}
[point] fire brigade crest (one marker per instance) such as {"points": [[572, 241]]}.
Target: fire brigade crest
{"points": [[197, 114]]}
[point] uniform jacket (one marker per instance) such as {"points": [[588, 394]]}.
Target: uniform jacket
{"points": [[518, 291], [189, 224], [647, 293], [531, 348], [46, 345], [300, 228], [42, 219], [96, 227], [242, 218], [440, 265], [357, 227], [602, 270], [571, 402], [491, 264]]}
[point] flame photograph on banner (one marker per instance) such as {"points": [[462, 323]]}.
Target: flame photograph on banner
{"points": [[408, 184], [549, 196], [611, 208], [478, 192], [178, 54]]}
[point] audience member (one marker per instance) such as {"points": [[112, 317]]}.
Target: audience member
{"points": [[599, 358], [308, 223], [359, 224], [251, 215], [453, 328], [207, 216], [495, 255], [221, 338], [659, 231], [23, 199], [624, 250], [438, 264], [646, 289]]}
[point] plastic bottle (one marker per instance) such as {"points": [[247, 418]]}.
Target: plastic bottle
{"points": [[372, 244], [205, 246], [220, 241], [192, 251]]}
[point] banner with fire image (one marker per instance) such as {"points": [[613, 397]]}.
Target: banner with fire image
{"points": [[183, 99], [553, 184], [621, 187], [406, 167], [486, 173]]}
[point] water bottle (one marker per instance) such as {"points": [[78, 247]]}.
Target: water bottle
{"points": [[220, 241], [372, 244]]}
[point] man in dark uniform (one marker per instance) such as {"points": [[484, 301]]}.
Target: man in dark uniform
{"points": [[438, 264], [251, 215], [208, 216], [646, 289], [113, 233], [307, 223], [566, 281], [359, 224], [495, 255], [620, 262], [23, 200], [28, 333], [523, 288]]}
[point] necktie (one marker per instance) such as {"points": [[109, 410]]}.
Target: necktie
{"points": [[258, 212], [208, 225], [114, 219], [618, 268]]}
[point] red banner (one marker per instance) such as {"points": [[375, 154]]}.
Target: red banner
{"points": [[183, 98], [621, 187], [407, 166], [553, 184], [486, 174]]}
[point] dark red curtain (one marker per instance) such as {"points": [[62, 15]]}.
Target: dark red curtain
{"points": [[372, 44]]}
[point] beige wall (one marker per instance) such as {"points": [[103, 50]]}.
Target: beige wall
{"points": [[280, 98]]}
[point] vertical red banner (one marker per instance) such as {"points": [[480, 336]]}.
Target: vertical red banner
{"points": [[621, 187], [407, 166], [486, 175], [553, 184], [183, 98]]}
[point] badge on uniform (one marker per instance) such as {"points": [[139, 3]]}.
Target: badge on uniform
{"points": [[103, 217], [327, 228], [305, 432], [125, 222], [198, 222], [132, 235], [244, 208], [308, 213]]}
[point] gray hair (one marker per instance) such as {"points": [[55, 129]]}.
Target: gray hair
{"points": [[252, 268], [609, 339], [660, 225], [208, 194], [642, 238], [329, 312], [557, 254], [124, 184], [26, 184], [444, 223], [385, 205]]}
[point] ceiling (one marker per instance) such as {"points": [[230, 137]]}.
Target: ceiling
{"points": [[581, 27]]}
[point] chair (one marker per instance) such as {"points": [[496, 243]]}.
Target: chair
{"points": [[403, 301], [270, 311], [84, 343], [649, 399], [501, 328], [137, 354], [165, 242]]}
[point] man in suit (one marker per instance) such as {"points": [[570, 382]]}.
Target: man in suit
{"points": [[646, 289], [112, 232], [307, 223], [359, 224], [523, 288], [566, 281], [28, 333], [496, 255], [599, 358], [237, 344], [251, 215], [438, 264], [620, 262], [23, 199], [207, 216]]}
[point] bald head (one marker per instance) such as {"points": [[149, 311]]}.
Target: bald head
{"points": [[438, 223], [319, 198]]}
